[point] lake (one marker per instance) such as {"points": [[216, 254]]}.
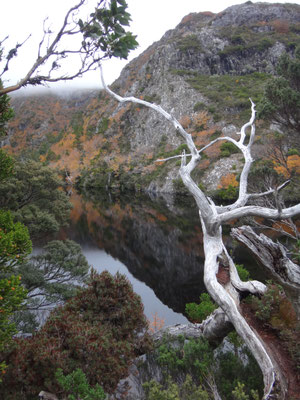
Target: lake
{"points": [[155, 241]]}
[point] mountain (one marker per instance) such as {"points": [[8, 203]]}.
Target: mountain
{"points": [[203, 71]]}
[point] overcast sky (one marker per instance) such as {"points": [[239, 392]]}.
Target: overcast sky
{"points": [[150, 20]]}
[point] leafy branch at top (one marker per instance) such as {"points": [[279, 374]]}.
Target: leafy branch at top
{"points": [[101, 36]]}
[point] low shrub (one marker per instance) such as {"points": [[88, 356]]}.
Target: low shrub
{"points": [[199, 312], [228, 148], [101, 330]]}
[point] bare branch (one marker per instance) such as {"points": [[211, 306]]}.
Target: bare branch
{"points": [[212, 218], [98, 38], [254, 287], [172, 158], [272, 255], [11, 54], [268, 192], [185, 170], [256, 211], [28, 78]]}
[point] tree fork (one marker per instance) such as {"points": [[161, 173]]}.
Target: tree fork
{"points": [[212, 217]]}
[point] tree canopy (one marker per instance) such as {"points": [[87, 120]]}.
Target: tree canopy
{"points": [[33, 194], [15, 245], [281, 101], [100, 330], [50, 278]]}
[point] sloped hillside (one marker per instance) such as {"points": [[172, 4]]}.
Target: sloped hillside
{"points": [[203, 71]]}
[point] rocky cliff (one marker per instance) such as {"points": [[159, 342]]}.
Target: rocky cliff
{"points": [[203, 71]]}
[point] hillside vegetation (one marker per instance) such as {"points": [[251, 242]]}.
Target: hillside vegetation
{"points": [[204, 70]]}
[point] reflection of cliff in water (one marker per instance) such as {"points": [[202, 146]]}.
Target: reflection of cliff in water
{"points": [[160, 245]]}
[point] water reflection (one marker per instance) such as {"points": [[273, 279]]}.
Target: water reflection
{"points": [[157, 244], [152, 305]]}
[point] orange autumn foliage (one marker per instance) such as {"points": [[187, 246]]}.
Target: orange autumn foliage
{"points": [[293, 165], [201, 119], [156, 324], [280, 25], [284, 226], [185, 121], [228, 180]]}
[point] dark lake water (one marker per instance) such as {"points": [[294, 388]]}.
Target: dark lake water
{"points": [[155, 242]]}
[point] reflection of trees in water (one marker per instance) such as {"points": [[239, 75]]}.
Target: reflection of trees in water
{"points": [[158, 239], [159, 242]]}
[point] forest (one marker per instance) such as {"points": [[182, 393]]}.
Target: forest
{"points": [[69, 332]]}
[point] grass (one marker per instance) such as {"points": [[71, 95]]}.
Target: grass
{"points": [[252, 38], [228, 91]]}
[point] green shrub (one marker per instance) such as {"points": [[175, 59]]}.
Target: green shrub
{"points": [[76, 386], [179, 187], [172, 391], [268, 305], [243, 272], [263, 44], [239, 394], [153, 98], [199, 312], [189, 42], [216, 134], [293, 152], [274, 309], [229, 194], [100, 331], [228, 93], [296, 252], [103, 125], [194, 365], [232, 49], [277, 312], [199, 106], [228, 148]]}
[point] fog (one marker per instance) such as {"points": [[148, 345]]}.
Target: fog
{"points": [[150, 20]]}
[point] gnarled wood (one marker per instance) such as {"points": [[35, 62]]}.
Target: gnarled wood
{"points": [[212, 217], [214, 328], [272, 255]]}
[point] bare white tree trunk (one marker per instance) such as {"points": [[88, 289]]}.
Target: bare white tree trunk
{"points": [[214, 328], [272, 255], [228, 300], [212, 217]]}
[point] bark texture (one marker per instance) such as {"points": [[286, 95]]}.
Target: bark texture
{"points": [[272, 255], [214, 328], [212, 217]]}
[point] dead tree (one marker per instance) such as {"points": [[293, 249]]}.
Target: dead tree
{"points": [[212, 218], [270, 254]]}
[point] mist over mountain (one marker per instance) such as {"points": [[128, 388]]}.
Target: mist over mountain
{"points": [[203, 71]]}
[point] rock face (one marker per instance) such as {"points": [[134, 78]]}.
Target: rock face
{"points": [[203, 72]]}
